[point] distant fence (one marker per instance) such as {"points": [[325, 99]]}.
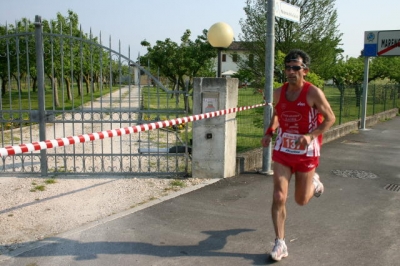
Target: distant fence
{"points": [[346, 104]]}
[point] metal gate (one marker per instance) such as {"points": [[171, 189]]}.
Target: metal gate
{"points": [[57, 82]]}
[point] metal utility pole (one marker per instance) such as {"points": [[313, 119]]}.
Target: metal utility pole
{"points": [[365, 93], [41, 93], [269, 80]]}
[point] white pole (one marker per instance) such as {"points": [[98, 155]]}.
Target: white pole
{"points": [[365, 93]]}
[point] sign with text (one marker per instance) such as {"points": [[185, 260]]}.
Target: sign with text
{"points": [[287, 11], [389, 43], [382, 43]]}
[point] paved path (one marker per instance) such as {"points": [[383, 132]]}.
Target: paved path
{"points": [[355, 222]]}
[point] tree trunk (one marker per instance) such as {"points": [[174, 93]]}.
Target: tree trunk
{"points": [[185, 98], [187, 104], [54, 84], [79, 82], [34, 84], [87, 81], [3, 87], [358, 90], [175, 85], [68, 83], [18, 80]]}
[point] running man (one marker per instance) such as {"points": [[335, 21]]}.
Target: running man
{"points": [[300, 116]]}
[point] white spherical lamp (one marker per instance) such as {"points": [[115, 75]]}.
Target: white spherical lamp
{"points": [[220, 35]]}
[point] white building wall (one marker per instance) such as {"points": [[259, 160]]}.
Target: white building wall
{"points": [[228, 64]]}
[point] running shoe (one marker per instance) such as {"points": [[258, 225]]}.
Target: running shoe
{"points": [[280, 250], [319, 187]]}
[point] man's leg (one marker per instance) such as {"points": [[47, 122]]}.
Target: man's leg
{"points": [[282, 176], [304, 187]]}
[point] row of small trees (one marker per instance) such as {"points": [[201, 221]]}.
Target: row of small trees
{"points": [[70, 56]]}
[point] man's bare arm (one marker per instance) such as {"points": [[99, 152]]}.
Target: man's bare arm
{"points": [[318, 100]]}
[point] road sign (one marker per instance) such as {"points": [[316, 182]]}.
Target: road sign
{"points": [[287, 11], [389, 43], [377, 43], [382, 43]]}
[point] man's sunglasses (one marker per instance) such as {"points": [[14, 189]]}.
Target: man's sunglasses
{"points": [[295, 68]]}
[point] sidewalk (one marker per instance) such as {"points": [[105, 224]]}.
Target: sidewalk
{"points": [[355, 222]]}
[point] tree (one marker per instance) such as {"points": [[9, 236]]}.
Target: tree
{"points": [[3, 60], [177, 61], [393, 69], [348, 72], [317, 34], [13, 60], [69, 50], [351, 71], [61, 52], [69, 55]]}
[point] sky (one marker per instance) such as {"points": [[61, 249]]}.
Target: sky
{"points": [[128, 22]]}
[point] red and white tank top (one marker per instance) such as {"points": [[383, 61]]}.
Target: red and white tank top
{"points": [[297, 118]]}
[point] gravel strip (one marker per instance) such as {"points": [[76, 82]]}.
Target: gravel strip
{"points": [[36, 208]]}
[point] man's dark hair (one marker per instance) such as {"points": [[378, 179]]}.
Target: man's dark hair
{"points": [[294, 55]]}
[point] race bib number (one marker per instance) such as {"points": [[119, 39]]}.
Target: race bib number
{"points": [[290, 144]]}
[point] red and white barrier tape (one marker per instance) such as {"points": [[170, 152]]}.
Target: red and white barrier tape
{"points": [[59, 142]]}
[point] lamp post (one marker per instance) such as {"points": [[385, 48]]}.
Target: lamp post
{"points": [[220, 36]]}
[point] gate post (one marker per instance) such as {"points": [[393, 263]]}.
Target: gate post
{"points": [[214, 139], [41, 94]]}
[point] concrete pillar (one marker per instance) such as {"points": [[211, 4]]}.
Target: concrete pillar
{"points": [[214, 139]]}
